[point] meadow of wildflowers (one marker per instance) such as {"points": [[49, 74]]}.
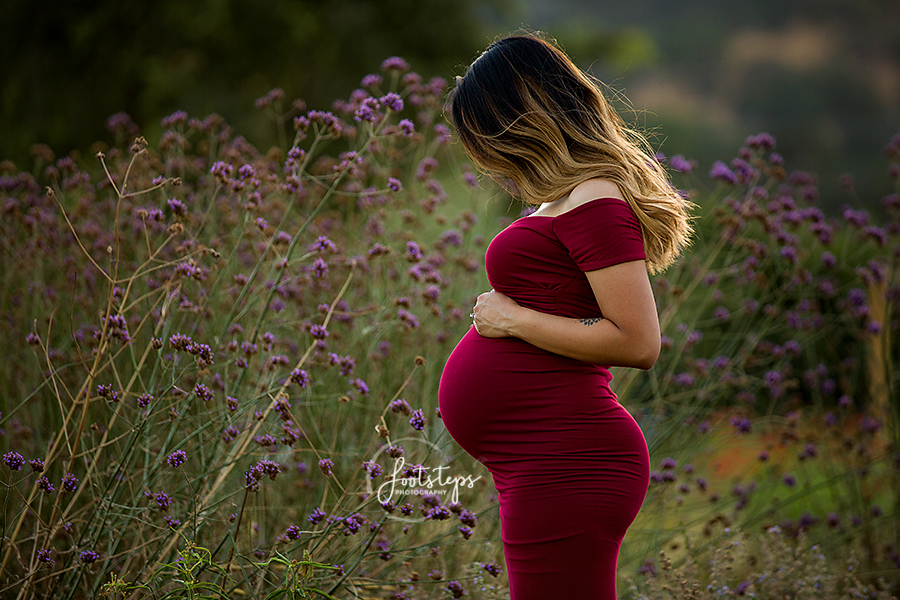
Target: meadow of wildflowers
{"points": [[774, 405], [222, 366]]}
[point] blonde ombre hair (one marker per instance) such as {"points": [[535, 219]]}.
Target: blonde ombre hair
{"points": [[524, 111]]}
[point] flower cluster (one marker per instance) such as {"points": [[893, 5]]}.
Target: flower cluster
{"points": [[176, 458], [263, 468]]}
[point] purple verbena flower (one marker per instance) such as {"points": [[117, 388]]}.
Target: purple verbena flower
{"points": [[789, 253], [326, 464], [809, 451], [418, 419], [395, 63], [721, 172], [400, 405], [316, 516], [322, 244], [466, 516], [319, 267], [89, 557], [163, 500], [179, 341], [372, 468], [763, 140], [681, 164], [452, 237], [648, 568], [408, 319], [177, 207], [352, 523], [869, 425], [378, 249], [373, 80], [266, 441], [684, 379], [121, 122], [360, 385], [293, 532], [105, 390], [857, 218], [69, 483], [230, 433], [367, 110], [693, 337], [300, 377], [14, 461], [406, 127], [456, 589], [742, 169], [772, 379], [346, 363], [179, 117], [392, 101], [177, 458], [742, 424], [413, 252], [203, 392], [437, 513]]}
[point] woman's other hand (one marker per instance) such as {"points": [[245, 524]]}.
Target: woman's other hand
{"points": [[494, 314]]}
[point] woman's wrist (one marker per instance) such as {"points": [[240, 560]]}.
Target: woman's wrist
{"points": [[518, 317]]}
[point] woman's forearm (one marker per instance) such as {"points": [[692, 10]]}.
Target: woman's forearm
{"points": [[594, 340]]}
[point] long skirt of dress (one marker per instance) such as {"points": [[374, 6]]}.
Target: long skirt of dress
{"points": [[570, 464]]}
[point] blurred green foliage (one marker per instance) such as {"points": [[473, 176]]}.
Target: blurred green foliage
{"points": [[71, 64]]}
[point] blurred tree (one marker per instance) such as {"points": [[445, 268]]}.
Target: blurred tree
{"points": [[72, 63]]}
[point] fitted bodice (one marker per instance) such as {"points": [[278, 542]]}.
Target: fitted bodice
{"points": [[540, 261]]}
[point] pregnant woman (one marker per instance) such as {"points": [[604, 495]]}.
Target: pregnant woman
{"points": [[527, 389]]}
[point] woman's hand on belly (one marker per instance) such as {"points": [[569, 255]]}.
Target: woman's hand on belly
{"points": [[627, 335], [494, 314]]}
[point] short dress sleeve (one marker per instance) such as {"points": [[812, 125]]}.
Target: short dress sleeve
{"points": [[600, 233]]}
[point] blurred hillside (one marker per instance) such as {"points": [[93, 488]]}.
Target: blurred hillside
{"points": [[823, 76]]}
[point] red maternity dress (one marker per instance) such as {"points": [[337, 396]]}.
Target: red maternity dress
{"points": [[570, 464]]}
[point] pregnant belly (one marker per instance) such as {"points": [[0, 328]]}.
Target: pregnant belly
{"points": [[504, 399]]}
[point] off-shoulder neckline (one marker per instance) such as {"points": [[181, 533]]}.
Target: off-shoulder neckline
{"points": [[571, 210]]}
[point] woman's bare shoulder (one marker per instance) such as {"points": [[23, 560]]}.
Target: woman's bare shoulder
{"points": [[591, 190], [584, 192]]}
